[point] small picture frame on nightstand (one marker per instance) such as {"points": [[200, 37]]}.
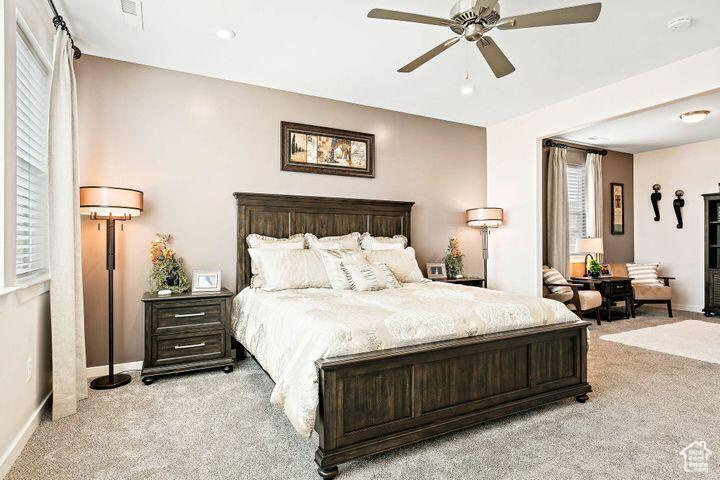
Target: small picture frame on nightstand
{"points": [[206, 281], [436, 270]]}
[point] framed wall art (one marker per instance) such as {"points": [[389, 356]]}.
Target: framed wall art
{"points": [[327, 151], [617, 209]]}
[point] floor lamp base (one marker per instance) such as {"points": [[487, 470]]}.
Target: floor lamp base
{"points": [[107, 382]]}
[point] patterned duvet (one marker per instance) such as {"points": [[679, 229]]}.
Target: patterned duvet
{"points": [[288, 330]]}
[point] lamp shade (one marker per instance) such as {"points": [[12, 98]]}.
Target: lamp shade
{"points": [[589, 245], [489, 217], [110, 202]]}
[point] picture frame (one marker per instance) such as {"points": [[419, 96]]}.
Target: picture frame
{"points": [[206, 281], [617, 209], [326, 151], [436, 271]]}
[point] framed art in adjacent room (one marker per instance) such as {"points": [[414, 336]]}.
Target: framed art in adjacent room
{"points": [[328, 151], [436, 270], [617, 209], [206, 281]]}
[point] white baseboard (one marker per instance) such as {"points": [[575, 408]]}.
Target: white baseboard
{"points": [[676, 306], [101, 370], [13, 451]]}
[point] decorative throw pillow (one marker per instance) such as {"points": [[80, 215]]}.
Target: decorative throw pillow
{"points": [[333, 260], [402, 263], [365, 277], [368, 242], [350, 241], [644, 273], [289, 269], [552, 276]]}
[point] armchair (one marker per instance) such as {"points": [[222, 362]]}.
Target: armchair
{"points": [[582, 302], [647, 294]]}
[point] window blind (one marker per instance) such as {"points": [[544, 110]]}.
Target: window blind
{"points": [[577, 199], [31, 177]]}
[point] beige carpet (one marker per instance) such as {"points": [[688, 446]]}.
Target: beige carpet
{"points": [[690, 338], [645, 408]]}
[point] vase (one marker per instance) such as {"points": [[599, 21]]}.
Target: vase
{"points": [[595, 274], [172, 279]]}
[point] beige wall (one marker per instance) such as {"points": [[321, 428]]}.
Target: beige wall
{"points": [[189, 142], [24, 314], [694, 169]]}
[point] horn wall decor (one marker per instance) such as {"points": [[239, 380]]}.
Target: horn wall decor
{"points": [[678, 203], [655, 197]]}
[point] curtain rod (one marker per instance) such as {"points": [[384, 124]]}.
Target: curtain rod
{"points": [[551, 143], [59, 22]]}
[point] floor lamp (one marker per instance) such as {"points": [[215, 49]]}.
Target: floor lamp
{"points": [[110, 204], [484, 219]]}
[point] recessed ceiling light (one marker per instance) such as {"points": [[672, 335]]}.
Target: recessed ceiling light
{"points": [[224, 33], [694, 117], [467, 90], [598, 139]]}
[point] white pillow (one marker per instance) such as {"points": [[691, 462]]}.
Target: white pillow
{"points": [[333, 260], [402, 263], [351, 241], [644, 273], [254, 240], [364, 277], [289, 269], [368, 242]]}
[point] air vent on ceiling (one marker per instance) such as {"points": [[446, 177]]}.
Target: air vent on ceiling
{"points": [[131, 13]]}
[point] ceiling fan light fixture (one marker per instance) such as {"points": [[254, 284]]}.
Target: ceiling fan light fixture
{"points": [[224, 33], [696, 116], [467, 90]]}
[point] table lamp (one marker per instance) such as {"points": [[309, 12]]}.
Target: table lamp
{"points": [[484, 219], [110, 204], [590, 246]]}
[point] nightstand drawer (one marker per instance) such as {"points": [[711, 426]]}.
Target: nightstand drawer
{"points": [[617, 288], [174, 317], [188, 348]]}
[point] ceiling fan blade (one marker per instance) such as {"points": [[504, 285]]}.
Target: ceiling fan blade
{"points": [[422, 59], [497, 60], [410, 17], [561, 16]]}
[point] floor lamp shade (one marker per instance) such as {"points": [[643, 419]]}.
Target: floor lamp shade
{"points": [[111, 204], [488, 217], [106, 202]]}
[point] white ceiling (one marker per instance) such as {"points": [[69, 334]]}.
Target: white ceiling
{"points": [[655, 128], [329, 48]]}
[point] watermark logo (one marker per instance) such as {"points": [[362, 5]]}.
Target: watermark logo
{"points": [[696, 456]]}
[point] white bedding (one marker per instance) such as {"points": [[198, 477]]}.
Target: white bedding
{"points": [[288, 330]]}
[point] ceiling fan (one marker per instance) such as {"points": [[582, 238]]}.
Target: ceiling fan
{"points": [[473, 19]]}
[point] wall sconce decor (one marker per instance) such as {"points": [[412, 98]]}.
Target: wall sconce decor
{"points": [[655, 197], [678, 203]]}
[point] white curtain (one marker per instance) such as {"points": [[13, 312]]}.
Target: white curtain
{"points": [[558, 250], [594, 205], [66, 291]]}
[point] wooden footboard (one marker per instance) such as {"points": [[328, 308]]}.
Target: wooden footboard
{"points": [[378, 401]]}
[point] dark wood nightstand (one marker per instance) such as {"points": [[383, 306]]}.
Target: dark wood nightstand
{"points": [[468, 281], [612, 289], [186, 332]]}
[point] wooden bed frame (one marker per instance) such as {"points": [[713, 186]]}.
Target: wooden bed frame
{"points": [[378, 401]]}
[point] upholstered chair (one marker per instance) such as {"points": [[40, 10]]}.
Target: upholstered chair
{"points": [[582, 302], [659, 292]]}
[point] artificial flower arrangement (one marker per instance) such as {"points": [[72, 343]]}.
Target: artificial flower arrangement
{"points": [[167, 271], [454, 259]]}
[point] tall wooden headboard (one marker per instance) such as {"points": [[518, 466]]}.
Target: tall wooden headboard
{"points": [[285, 215]]}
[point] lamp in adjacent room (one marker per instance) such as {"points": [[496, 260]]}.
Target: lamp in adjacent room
{"points": [[111, 204], [590, 246], [484, 219]]}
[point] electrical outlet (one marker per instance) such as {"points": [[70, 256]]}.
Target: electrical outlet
{"points": [[28, 369]]}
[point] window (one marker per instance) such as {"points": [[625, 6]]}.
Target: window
{"points": [[31, 236], [577, 201]]}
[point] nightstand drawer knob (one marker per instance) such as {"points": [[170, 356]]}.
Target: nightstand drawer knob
{"points": [[184, 315], [197, 345]]}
